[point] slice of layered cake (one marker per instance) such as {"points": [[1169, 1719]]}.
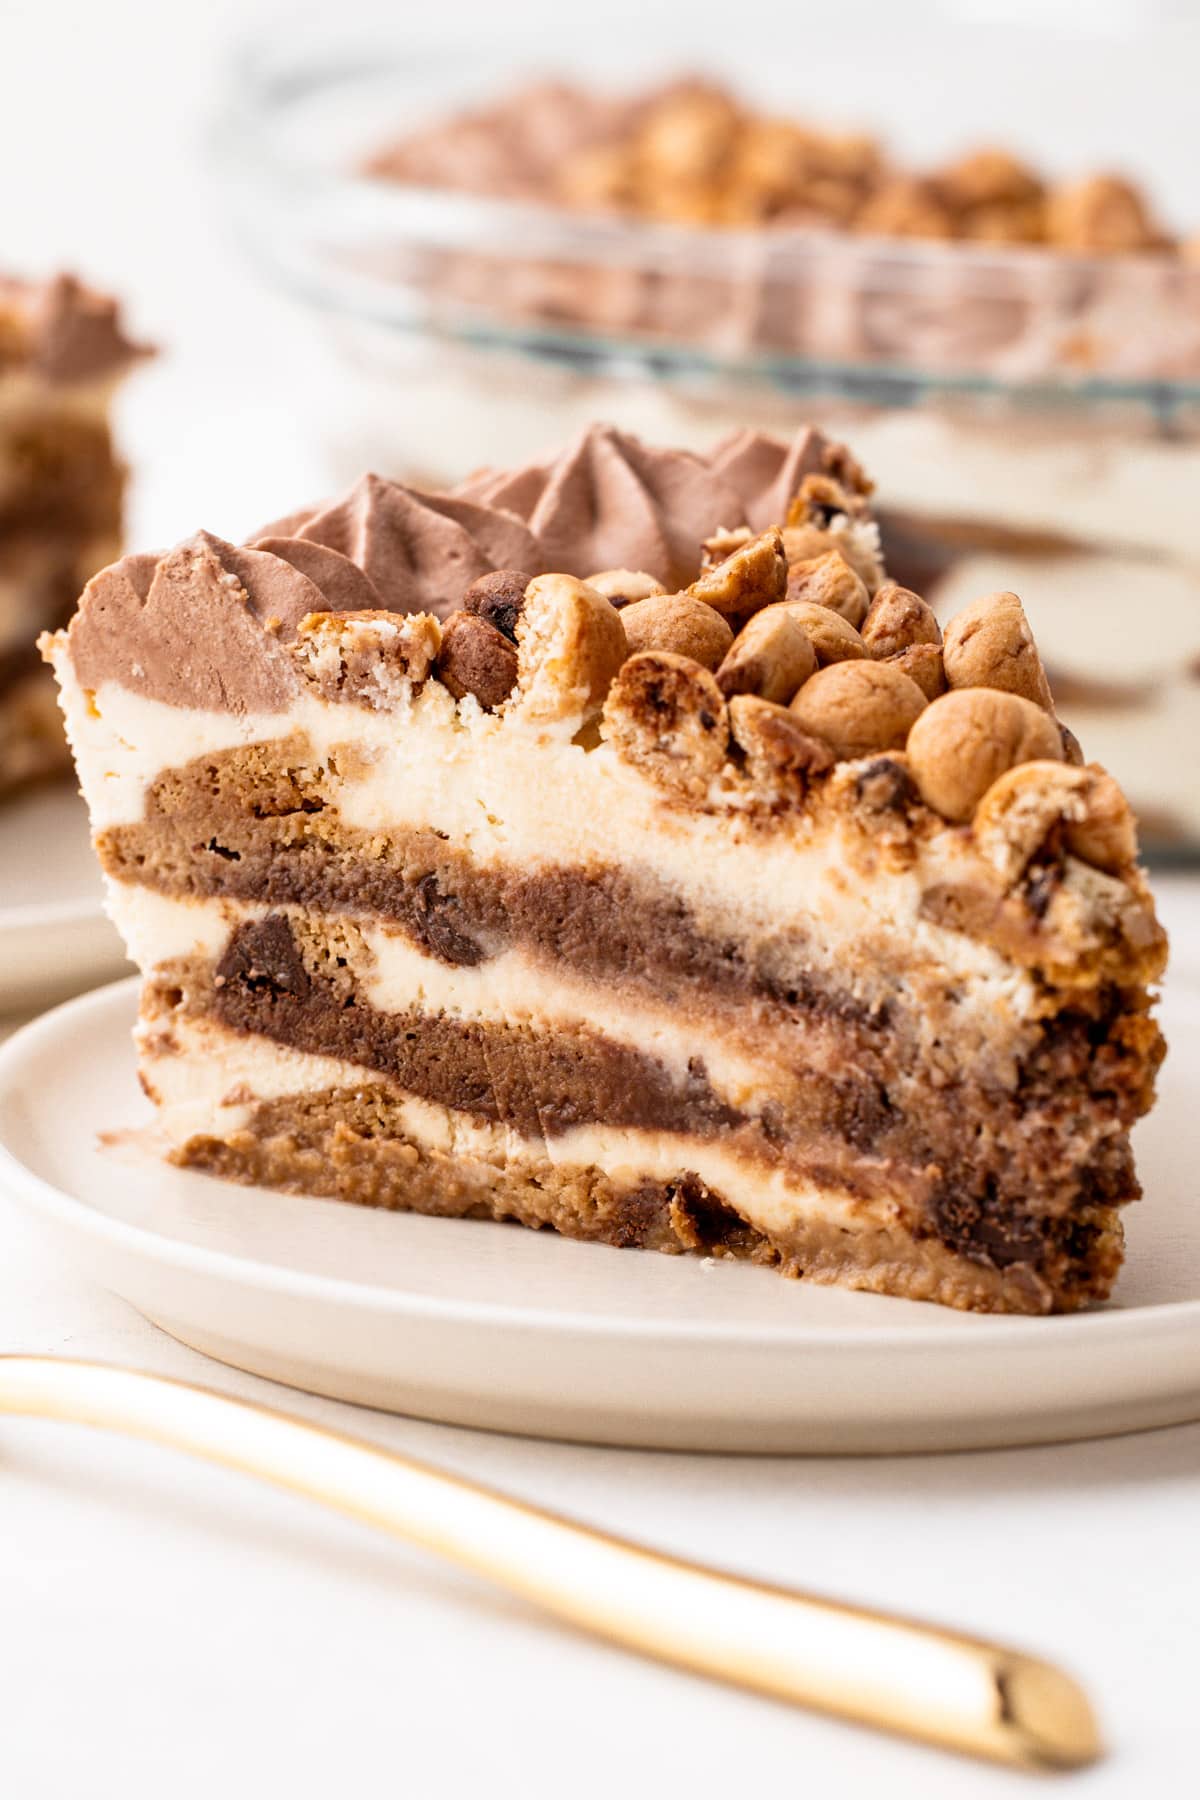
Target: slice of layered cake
{"points": [[612, 847], [62, 352]]}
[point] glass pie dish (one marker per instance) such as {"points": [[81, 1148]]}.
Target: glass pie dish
{"points": [[1031, 418]]}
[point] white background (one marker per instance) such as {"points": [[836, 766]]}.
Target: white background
{"points": [[168, 1631]]}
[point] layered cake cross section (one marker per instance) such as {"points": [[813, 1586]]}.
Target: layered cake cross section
{"points": [[708, 900]]}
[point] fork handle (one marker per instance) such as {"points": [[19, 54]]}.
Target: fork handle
{"points": [[947, 1688]]}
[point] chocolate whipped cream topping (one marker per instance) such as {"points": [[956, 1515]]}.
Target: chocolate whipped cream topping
{"points": [[65, 332], [202, 626], [343, 584], [208, 624], [505, 150], [419, 550], [610, 501], [766, 472]]}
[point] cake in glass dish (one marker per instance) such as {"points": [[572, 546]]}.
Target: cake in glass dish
{"points": [[693, 152], [1010, 336], [62, 353], [807, 243], [611, 846]]}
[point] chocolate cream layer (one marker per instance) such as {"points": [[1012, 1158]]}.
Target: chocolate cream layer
{"points": [[791, 1081], [282, 1015]]}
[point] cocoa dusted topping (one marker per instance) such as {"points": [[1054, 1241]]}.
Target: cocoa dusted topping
{"points": [[475, 658], [498, 598]]}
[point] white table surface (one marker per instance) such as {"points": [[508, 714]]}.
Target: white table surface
{"points": [[168, 1632]]}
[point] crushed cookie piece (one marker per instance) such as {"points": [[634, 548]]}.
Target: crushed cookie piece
{"points": [[752, 576], [667, 716], [771, 657]]}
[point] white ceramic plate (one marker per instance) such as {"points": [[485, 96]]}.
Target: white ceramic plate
{"points": [[494, 1326], [55, 937]]}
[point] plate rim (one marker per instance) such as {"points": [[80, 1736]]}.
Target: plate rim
{"points": [[20, 917], [1164, 1319], [37, 915], [53, 944]]}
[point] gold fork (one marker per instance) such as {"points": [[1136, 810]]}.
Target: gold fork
{"points": [[950, 1689]]}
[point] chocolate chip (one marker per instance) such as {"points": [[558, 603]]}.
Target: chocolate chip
{"points": [[885, 786], [435, 921], [264, 957]]}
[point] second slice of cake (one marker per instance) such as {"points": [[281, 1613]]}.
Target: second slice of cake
{"points": [[748, 918], [63, 353]]}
